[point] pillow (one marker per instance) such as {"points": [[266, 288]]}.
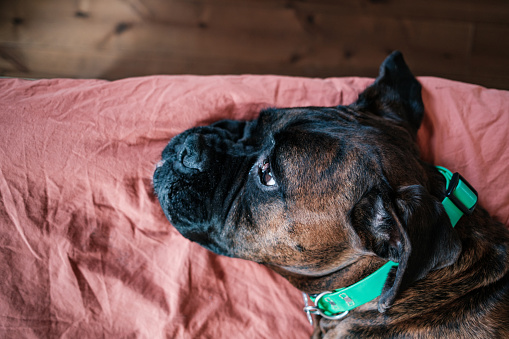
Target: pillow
{"points": [[85, 248]]}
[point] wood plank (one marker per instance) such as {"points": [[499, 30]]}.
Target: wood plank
{"points": [[456, 10], [276, 23], [55, 10], [451, 10], [490, 52], [493, 66], [319, 38], [491, 40], [385, 34], [40, 62], [489, 11], [114, 65], [328, 33]]}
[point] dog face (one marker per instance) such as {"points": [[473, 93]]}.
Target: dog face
{"points": [[311, 190]]}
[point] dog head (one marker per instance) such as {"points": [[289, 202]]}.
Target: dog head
{"points": [[312, 190]]}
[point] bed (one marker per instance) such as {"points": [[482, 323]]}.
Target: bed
{"points": [[85, 249]]}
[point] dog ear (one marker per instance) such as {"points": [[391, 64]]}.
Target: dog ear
{"points": [[395, 94], [411, 229]]}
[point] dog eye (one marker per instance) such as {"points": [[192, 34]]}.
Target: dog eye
{"points": [[265, 174]]}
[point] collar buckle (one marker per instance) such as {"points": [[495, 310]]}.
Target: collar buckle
{"points": [[308, 309], [460, 195]]}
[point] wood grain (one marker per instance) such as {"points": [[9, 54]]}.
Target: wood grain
{"points": [[464, 40]]}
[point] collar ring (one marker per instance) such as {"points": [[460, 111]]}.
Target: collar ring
{"points": [[316, 310]]}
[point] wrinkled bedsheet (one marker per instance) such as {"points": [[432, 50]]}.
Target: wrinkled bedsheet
{"points": [[85, 250]]}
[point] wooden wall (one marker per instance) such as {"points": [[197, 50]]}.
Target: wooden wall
{"points": [[466, 40]]}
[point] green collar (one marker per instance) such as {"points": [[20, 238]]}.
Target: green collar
{"points": [[460, 198]]}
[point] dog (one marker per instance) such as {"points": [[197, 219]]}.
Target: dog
{"points": [[337, 201]]}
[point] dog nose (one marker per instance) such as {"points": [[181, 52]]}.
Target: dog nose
{"points": [[194, 153]]}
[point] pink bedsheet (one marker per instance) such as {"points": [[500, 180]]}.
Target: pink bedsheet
{"points": [[85, 250]]}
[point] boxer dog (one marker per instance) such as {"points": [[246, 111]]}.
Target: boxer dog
{"points": [[337, 200]]}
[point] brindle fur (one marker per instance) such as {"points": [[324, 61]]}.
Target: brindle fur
{"points": [[351, 194]]}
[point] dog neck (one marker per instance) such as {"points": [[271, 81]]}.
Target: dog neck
{"points": [[349, 275], [460, 199]]}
